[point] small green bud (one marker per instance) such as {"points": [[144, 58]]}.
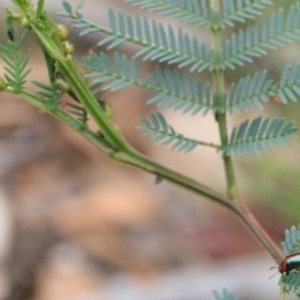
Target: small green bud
{"points": [[25, 23], [62, 85], [68, 47], [62, 31], [216, 27]]}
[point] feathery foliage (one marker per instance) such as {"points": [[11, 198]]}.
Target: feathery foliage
{"points": [[78, 111], [259, 135], [292, 241], [173, 88], [158, 43], [289, 84], [290, 282], [180, 90], [249, 92], [164, 133], [225, 295], [15, 63], [51, 95], [185, 11], [241, 10], [199, 13], [252, 91], [276, 31]]}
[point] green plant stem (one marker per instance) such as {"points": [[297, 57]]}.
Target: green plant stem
{"points": [[69, 120], [258, 232], [239, 208], [40, 8], [221, 113]]}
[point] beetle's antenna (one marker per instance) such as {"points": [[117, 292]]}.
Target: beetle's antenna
{"points": [[275, 273]]}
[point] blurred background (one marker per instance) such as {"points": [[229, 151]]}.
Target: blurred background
{"points": [[74, 226]]}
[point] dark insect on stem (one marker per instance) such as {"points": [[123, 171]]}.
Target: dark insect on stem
{"points": [[11, 34], [291, 262]]}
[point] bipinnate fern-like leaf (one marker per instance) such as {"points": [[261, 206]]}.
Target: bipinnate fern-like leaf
{"points": [[162, 132], [241, 10], [158, 43], [174, 89], [15, 63], [260, 134], [225, 295], [192, 11], [253, 91], [199, 13], [292, 241], [179, 48], [253, 41]]}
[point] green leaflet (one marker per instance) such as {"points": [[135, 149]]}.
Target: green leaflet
{"points": [[15, 67], [290, 282], [259, 135], [292, 241], [78, 111], [158, 127], [51, 95], [252, 91], [241, 10]]}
